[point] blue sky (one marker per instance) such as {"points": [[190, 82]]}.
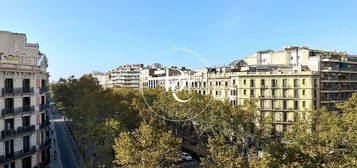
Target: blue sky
{"points": [[85, 35]]}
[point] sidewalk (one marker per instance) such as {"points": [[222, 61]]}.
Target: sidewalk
{"points": [[57, 162]]}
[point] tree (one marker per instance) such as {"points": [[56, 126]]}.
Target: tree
{"points": [[148, 146], [324, 139]]}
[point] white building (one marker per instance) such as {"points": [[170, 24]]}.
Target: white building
{"points": [[127, 75], [104, 79], [24, 124]]}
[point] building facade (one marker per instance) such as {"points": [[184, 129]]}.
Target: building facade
{"points": [[285, 84], [104, 79], [127, 76], [24, 122]]}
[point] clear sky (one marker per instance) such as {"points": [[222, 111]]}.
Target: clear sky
{"points": [[80, 36]]}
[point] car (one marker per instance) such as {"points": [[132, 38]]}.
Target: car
{"points": [[186, 156]]}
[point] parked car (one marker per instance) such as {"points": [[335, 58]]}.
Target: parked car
{"points": [[186, 156]]}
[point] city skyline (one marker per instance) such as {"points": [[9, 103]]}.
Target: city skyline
{"points": [[101, 36]]}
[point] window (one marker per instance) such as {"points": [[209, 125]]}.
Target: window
{"points": [[9, 84], [251, 83], [285, 105], [244, 82], [245, 92], [303, 92], [26, 121], [296, 93], [315, 82], [26, 162], [296, 105], [273, 92], [9, 103], [26, 101], [262, 92], [303, 81], [285, 117], [296, 82], [9, 148], [9, 123], [273, 104], [233, 92], [216, 93], [285, 83], [251, 92], [10, 165], [226, 83], [285, 94], [26, 85], [273, 83], [26, 143], [262, 82], [262, 104], [234, 82], [304, 104], [315, 93]]}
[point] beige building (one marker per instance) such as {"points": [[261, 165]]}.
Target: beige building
{"points": [[280, 95], [24, 123], [286, 83]]}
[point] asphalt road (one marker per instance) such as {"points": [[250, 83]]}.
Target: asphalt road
{"points": [[66, 146]]}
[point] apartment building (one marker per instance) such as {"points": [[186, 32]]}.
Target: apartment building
{"points": [[286, 83], [280, 95], [219, 84], [24, 123], [104, 79], [127, 76], [164, 77]]}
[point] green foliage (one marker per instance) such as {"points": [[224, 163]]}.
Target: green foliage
{"points": [[149, 146], [120, 120]]}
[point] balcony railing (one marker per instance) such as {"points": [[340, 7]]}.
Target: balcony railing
{"points": [[17, 154], [44, 90], [45, 144], [44, 107], [14, 132], [17, 91], [17, 111]]}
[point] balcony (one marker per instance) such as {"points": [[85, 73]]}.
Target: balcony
{"points": [[17, 91], [43, 90], [44, 107], [15, 132], [45, 144], [17, 111], [17, 154]]}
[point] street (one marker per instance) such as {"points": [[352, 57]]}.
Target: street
{"points": [[68, 153]]}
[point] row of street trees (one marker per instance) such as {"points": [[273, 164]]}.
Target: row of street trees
{"points": [[121, 127]]}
